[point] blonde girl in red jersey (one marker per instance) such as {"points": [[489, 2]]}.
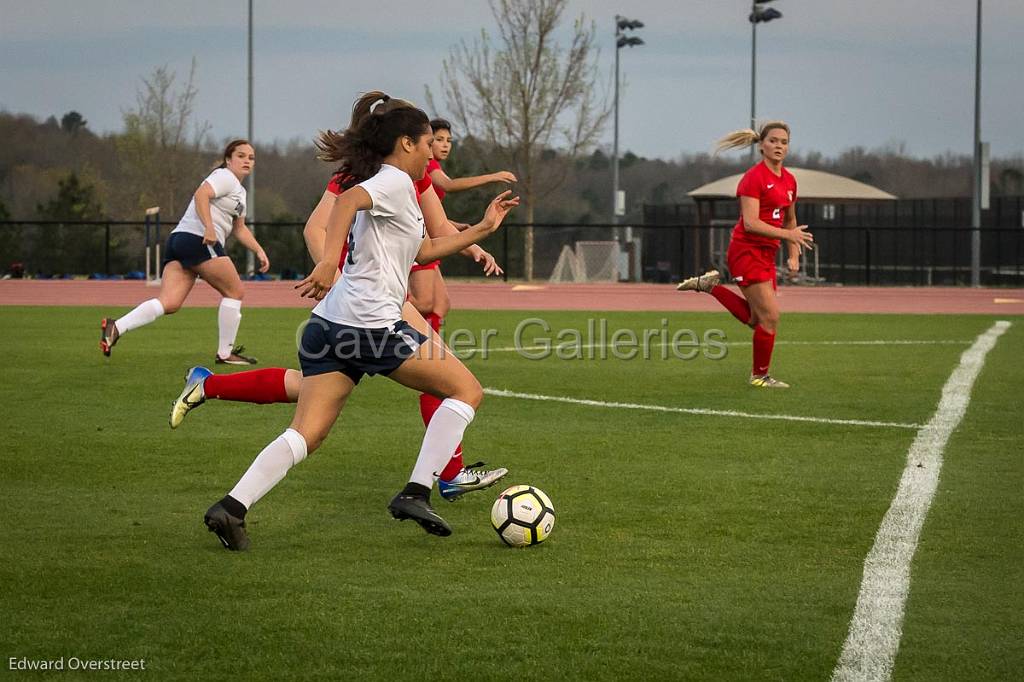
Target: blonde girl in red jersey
{"points": [[767, 194]]}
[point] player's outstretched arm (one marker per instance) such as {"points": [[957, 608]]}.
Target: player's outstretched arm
{"points": [[439, 225], [441, 179], [435, 248]]}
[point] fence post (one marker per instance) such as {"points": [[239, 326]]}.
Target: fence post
{"points": [[106, 249], [867, 257], [508, 263]]}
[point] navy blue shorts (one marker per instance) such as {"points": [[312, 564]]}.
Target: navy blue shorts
{"points": [[189, 250], [354, 351]]}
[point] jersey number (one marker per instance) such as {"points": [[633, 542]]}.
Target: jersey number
{"points": [[776, 215], [351, 249]]}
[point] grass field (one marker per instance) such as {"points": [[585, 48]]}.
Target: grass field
{"points": [[686, 546]]}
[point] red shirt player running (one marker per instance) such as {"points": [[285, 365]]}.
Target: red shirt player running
{"points": [[767, 195], [427, 289]]}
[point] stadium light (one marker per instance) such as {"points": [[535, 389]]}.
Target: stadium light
{"points": [[758, 15], [250, 193], [622, 40]]}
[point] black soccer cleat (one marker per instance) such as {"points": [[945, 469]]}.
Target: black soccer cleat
{"points": [[419, 510], [236, 358], [107, 338], [230, 529]]}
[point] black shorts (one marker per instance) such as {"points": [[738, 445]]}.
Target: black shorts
{"points": [[189, 250], [354, 351]]}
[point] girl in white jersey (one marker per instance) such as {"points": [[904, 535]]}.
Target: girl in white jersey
{"points": [[195, 248], [357, 327]]}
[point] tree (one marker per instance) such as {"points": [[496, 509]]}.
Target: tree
{"points": [[159, 148], [72, 248], [522, 93], [72, 122], [74, 201]]}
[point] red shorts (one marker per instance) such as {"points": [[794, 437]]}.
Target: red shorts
{"points": [[433, 265], [749, 264]]}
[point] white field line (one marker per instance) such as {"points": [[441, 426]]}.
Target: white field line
{"points": [[500, 393], [463, 352], [877, 624]]}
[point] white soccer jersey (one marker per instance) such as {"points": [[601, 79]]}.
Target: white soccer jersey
{"points": [[227, 204], [382, 247]]}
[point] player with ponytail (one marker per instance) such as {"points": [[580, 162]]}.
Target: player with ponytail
{"points": [[767, 196]]}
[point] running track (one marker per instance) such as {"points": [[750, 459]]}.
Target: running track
{"points": [[542, 296]]}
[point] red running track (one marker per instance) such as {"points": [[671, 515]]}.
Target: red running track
{"points": [[543, 296]]}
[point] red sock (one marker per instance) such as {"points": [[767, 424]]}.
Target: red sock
{"points": [[764, 342], [428, 406], [261, 386], [434, 320], [734, 303]]}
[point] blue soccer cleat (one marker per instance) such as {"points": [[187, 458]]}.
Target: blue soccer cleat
{"points": [[192, 395]]}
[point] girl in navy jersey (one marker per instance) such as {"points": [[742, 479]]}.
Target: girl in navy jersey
{"points": [[767, 194], [195, 248], [357, 329]]}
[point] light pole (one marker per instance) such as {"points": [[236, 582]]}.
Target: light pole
{"points": [[758, 15], [250, 189], [976, 194], [622, 24]]}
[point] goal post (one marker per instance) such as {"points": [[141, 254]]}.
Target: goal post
{"points": [[588, 261]]}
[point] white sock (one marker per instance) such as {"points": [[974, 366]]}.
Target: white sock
{"points": [[229, 316], [269, 467], [444, 433], [143, 314]]}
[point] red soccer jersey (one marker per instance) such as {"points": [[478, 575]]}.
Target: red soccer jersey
{"points": [[775, 192], [335, 188], [432, 166]]}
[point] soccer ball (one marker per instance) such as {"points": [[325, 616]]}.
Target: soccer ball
{"points": [[523, 516]]}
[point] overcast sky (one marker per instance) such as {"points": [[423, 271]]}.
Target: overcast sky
{"points": [[842, 72]]}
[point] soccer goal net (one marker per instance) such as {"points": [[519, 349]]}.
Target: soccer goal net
{"points": [[588, 261]]}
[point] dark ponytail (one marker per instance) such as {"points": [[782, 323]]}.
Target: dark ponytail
{"points": [[377, 122]]}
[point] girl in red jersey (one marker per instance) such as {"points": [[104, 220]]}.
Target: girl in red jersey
{"points": [[427, 289], [196, 249], [280, 385], [767, 194]]}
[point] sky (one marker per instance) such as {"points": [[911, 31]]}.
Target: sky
{"points": [[843, 73]]}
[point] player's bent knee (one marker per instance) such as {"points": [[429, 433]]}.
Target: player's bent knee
{"points": [[170, 307], [472, 394]]}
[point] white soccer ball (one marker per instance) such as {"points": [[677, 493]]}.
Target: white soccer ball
{"points": [[523, 516]]}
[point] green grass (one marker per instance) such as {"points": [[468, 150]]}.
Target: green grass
{"points": [[686, 547]]}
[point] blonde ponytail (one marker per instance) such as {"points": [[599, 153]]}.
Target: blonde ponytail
{"points": [[738, 139]]}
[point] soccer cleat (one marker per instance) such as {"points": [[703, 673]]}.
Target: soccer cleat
{"points": [[236, 358], [191, 396], [705, 283], [767, 381], [418, 509], [467, 480], [230, 529], [107, 338]]}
